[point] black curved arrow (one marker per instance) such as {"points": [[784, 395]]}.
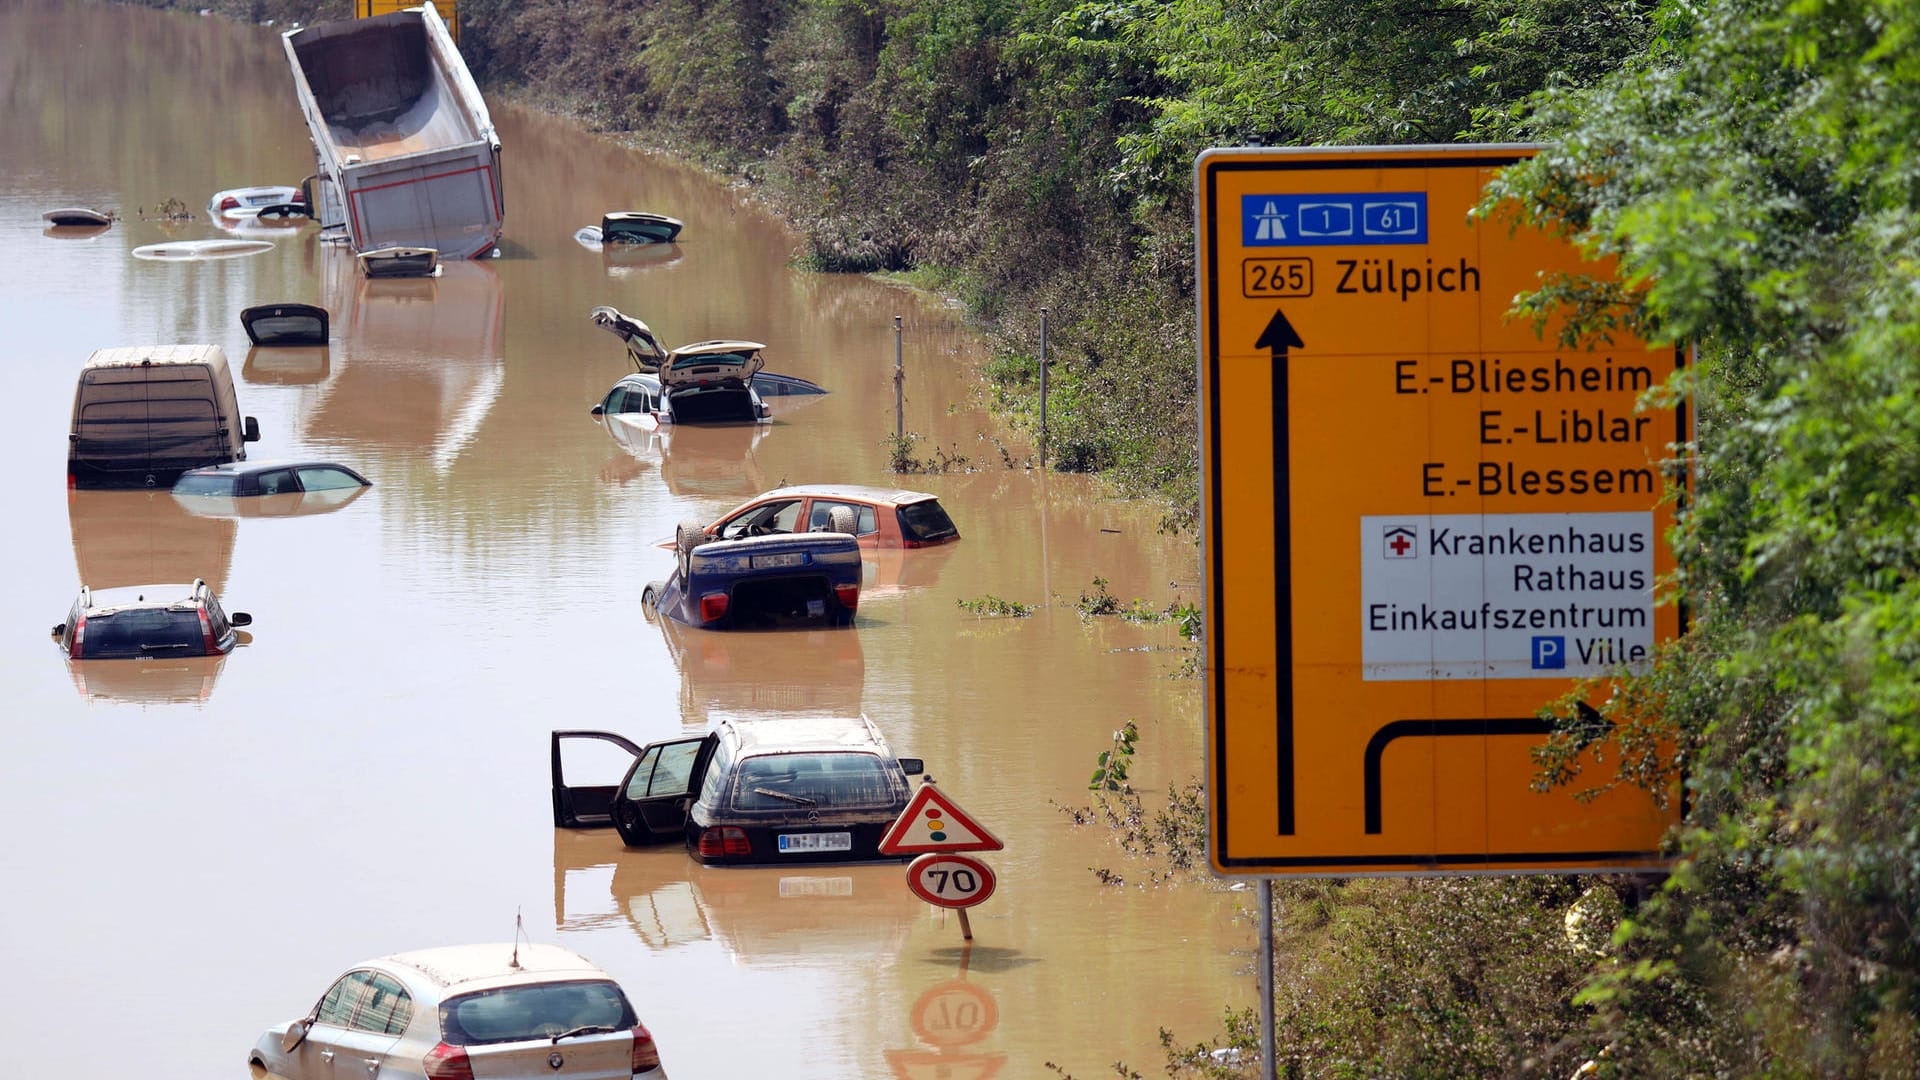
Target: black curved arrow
{"points": [[1277, 338]]}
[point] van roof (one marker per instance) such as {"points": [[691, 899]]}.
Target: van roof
{"points": [[135, 355]]}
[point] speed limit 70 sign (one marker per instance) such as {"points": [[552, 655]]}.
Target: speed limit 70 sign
{"points": [[950, 881]]}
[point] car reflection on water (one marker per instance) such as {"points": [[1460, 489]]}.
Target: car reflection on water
{"points": [[783, 916], [792, 673], [137, 537], [185, 680], [722, 462]]}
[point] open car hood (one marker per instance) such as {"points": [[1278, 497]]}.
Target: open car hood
{"points": [[711, 362]]}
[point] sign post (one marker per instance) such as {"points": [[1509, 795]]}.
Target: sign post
{"points": [[937, 830], [1423, 522]]}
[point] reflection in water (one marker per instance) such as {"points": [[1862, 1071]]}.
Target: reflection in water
{"points": [[74, 232], [422, 359], [278, 365], [184, 680], [795, 917], [713, 460], [146, 538], [745, 673]]}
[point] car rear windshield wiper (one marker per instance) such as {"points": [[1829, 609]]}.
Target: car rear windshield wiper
{"points": [[801, 799], [150, 647], [590, 1029]]}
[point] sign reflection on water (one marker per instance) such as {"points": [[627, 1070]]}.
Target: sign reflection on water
{"points": [[948, 1016]]}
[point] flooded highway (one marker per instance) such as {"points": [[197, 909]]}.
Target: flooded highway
{"points": [[195, 849]]}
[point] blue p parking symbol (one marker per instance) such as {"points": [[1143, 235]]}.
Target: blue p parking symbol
{"points": [[1549, 652]]}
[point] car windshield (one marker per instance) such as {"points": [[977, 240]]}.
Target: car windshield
{"points": [[926, 521], [840, 781], [204, 484], [533, 1011], [134, 632]]}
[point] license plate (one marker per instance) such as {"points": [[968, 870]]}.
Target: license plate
{"points": [[814, 886], [770, 562], [816, 841]]}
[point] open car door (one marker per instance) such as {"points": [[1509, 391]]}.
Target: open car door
{"points": [[654, 800], [585, 806], [650, 804]]}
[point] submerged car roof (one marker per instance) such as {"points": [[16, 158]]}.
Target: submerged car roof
{"points": [[103, 601], [807, 733], [496, 964], [244, 468], [896, 496]]}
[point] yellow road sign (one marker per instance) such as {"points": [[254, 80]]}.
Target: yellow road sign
{"points": [[1423, 521]]}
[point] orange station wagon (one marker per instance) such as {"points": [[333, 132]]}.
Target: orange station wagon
{"points": [[884, 517]]}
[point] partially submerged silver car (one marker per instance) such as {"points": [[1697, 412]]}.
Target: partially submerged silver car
{"points": [[716, 381], [465, 1011]]}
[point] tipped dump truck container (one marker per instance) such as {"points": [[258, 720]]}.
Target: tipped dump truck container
{"points": [[407, 153]]}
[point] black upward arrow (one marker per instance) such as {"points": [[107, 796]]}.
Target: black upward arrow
{"points": [[1278, 337]]}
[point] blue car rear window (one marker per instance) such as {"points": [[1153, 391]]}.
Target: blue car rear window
{"points": [[135, 632]]}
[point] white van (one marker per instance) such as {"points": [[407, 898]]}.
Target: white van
{"points": [[144, 414]]}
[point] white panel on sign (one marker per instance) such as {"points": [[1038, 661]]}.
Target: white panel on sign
{"points": [[1504, 596]]}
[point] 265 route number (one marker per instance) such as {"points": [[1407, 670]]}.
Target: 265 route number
{"points": [[950, 881]]}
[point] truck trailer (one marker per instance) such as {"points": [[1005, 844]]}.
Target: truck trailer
{"points": [[407, 153]]}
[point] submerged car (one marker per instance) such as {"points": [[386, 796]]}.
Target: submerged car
{"points": [[630, 227], [762, 582], [239, 479], [882, 517], [249, 201], [285, 324], [795, 789], [516, 1012], [718, 381], [137, 622]]}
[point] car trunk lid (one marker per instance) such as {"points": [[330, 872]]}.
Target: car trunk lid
{"points": [[582, 1057]]}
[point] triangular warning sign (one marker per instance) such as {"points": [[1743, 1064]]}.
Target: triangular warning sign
{"points": [[931, 822]]}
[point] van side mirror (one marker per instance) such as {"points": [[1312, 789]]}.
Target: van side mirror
{"points": [[59, 629], [912, 766], [239, 618], [599, 409], [251, 431]]}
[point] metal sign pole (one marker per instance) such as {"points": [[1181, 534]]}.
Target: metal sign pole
{"points": [[1043, 388], [1267, 1062], [899, 385]]}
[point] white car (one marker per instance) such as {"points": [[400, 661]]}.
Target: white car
{"points": [[249, 201], [465, 1011]]}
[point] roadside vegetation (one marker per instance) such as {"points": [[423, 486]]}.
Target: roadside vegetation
{"points": [[1753, 167]]}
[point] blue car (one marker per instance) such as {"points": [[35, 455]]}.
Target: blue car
{"points": [[771, 581]]}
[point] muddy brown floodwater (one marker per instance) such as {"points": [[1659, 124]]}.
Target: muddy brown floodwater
{"points": [[192, 851]]}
